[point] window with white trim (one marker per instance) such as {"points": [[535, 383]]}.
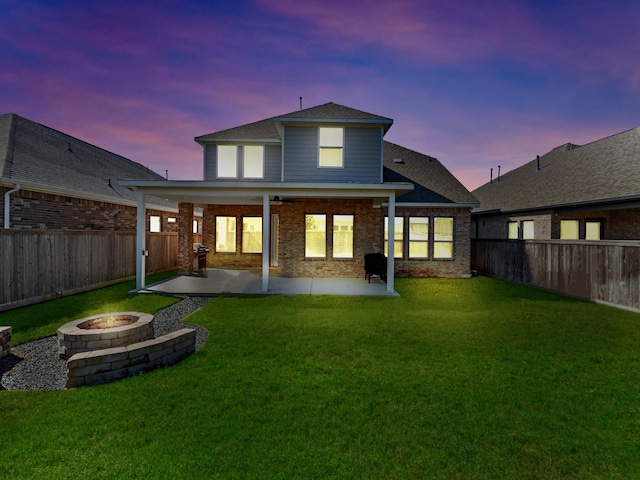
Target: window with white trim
{"points": [[315, 238], [343, 236], [331, 143], [227, 161], [398, 236], [251, 234], [418, 237], [253, 162], [226, 234], [443, 237]]}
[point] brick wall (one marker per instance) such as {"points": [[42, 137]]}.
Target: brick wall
{"points": [[5, 341], [236, 259], [368, 238], [368, 225], [622, 224], [43, 211], [458, 266], [185, 238]]}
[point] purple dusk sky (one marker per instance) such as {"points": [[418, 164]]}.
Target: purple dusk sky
{"points": [[473, 83]]}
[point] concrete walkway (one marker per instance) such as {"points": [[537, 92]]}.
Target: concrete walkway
{"points": [[243, 282]]}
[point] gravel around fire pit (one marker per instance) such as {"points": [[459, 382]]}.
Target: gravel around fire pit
{"points": [[35, 365]]}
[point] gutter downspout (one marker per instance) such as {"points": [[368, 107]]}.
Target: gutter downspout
{"points": [[7, 206]]}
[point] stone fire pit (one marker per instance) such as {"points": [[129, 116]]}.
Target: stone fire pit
{"points": [[104, 331]]}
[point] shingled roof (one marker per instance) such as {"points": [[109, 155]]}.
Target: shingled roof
{"points": [[603, 171], [41, 157], [267, 130], [433, 182]]}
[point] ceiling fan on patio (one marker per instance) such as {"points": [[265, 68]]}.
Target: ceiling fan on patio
{"points": [[278, 199]]}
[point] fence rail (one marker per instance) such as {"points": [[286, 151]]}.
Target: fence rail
{"points": [[605, 271], [38, 265]]}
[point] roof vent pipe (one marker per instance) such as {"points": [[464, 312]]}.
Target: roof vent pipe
{"points": [[491, 179], [498, 172], [7, 206], [538, 162], [300, 103]]}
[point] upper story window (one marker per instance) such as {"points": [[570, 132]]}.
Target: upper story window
{"points": [[227, 161], [253, 162], [513, 230], [331, 142]]}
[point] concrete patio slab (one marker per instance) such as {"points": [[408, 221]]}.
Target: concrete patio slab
{"points": [[243, 282]]}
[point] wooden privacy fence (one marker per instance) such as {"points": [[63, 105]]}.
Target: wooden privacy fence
{"points": [[604, 271], [39, 265]]}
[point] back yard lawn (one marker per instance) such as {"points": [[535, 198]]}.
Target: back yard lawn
{"points": [[456, 379]]}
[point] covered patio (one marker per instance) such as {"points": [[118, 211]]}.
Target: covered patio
{"points": [[220, 282], [263, 195]]}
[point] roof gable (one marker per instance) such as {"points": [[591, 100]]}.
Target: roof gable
{"points": [[267, 129], [602, 171]]}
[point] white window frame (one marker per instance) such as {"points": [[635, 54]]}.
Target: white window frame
{"points": [[308, 253], [413, 240], [248, 234], [341, 233], [257, 164], [398, 232], [330, 138], [437, 241], [227, 248], [227, 161]]}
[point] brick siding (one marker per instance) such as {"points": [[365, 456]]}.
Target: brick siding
{"points": [[368, 238], [43, 211]]}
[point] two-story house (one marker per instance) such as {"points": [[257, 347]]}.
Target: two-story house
{"points": [[309, 193]]}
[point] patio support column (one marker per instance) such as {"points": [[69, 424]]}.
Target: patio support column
{"points": [[141, 241], [266, 235], [391, 214]]}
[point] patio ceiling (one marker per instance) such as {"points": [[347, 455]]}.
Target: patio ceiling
{"points": [[249, 193]]}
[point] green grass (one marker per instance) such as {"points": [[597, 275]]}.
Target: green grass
{"points": [[43, 319], [456, 379]]}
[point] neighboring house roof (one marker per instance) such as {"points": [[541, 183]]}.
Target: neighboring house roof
{"points": [[433, 182], [267, 130], [604, 171], [43, 158]]}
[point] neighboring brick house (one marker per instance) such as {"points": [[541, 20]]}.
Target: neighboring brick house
{"points": [[53, 181], [589, 192], [313, 189]]}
